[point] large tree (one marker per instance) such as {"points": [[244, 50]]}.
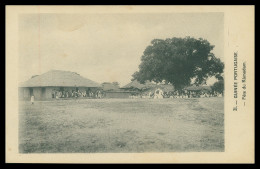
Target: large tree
{"points": [[178, 61], [218, 86]]}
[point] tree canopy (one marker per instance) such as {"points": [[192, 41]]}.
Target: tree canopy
{"points": [[218, 86], [178, 61]]}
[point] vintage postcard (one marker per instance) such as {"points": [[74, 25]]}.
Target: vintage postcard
{"points": [[130, 84]]}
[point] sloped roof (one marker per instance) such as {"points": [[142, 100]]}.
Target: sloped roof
{"points": [[137, 85], [109, 86], [148, 85], [197, 88], [166, 87], [59, 78]]}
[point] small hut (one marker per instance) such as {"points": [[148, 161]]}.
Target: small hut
{"points": [[147, 88], [113, 91], [107, 86], [138, 87]]}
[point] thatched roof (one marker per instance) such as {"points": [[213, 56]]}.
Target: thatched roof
{"points": [[109, 86], [198, 88], [59, 78], [136, 85], [166, 87], [148, 85]]}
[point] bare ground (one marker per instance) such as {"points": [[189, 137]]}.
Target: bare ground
{"points": [[122, 125]]}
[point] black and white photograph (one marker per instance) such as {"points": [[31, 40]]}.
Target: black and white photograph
{"points": [[110, 82], [121, 83]]}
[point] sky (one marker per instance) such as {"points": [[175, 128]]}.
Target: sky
{"points": [[105, 47]]}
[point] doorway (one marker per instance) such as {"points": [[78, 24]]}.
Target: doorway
{"points": [[31, 91], [43, 93]]}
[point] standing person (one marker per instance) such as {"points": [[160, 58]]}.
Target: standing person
{"points": [[75, 93], [57, 94], [32, 99]]}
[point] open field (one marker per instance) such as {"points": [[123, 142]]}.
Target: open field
{"points": [[122, 125]]}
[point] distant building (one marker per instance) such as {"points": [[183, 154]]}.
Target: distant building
{"points": [[43, 86], [147, 87], [107, 86], [112, 90], [138, 87]]}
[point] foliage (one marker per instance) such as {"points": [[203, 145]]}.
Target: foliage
{"points": [[177, 61], [218, 86]]}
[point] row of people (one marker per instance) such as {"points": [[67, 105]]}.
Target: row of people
{"points": [[176, 94], [76, 93]]}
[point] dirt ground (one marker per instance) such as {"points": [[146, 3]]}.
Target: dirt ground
{"points": [[122, 125]]}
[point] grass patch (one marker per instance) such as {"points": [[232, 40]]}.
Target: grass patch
{"points": [[122, 125]]}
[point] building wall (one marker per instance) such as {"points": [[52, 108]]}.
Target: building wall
{"points": [[24, 93], [109, 86], [48, 92], [82, 89], [39, 94]]}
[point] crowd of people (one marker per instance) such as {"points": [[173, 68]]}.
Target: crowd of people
{"points": [[192, 94], [177, 94], [76, 94], [157, 94]]}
